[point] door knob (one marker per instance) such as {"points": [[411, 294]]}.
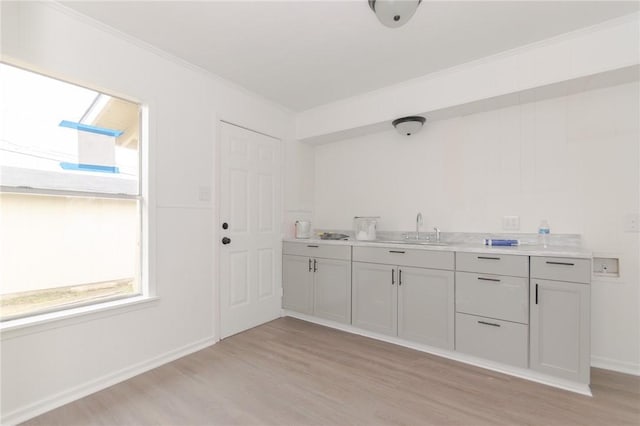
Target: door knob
{"points": [[226, 240]]}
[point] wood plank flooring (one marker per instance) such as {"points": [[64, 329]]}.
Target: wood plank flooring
{"points": [[290, 372]]}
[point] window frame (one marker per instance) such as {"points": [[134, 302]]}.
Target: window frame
{"points": [[124, 303]]}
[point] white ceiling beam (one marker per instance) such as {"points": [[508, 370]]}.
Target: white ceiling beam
{"points": [[611, 47]]}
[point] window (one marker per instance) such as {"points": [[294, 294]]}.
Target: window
{"points": [[70, 199]]}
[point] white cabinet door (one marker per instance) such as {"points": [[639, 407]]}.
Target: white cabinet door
{"points": [[332, 290], [560, 329], [375, 297], [297, 283], [426, 311]]}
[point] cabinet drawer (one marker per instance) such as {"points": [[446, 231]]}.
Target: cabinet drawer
{"points": [[561, 269], [488, 263], [494, 296], [492, 339], [311, 249], [404, 257]]}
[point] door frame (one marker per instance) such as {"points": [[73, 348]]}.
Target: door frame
{"points": [[217, 121]]}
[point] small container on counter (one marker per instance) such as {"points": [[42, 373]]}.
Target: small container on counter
{"points": [[303, 229], [364, 227], [501, 242]]}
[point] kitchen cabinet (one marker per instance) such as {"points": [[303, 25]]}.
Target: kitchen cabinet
{"points": [[410, 302], [426, 306], [493, 296], [297, 283], [315, 285], [375, 305], [530, 312], [489, 263], [332, 290], [560, 320], [490, 338], [492, 307]]}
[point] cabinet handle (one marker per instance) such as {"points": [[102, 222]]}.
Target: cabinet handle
{"points": [[393, 276], [312, 246], [492, 324], [536, 294], [488, 258], [489, 279], [396, 251], [399, 276], [309, 264], [560, 263], [315, 265]]}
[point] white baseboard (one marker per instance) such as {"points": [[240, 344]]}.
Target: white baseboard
{"points": [[523, 373], [54, 401], [615, 365]]}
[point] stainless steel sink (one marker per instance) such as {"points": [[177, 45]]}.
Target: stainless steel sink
{"points": [[416, 242]]}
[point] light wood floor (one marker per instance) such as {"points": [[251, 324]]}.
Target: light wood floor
{"points": [[290, 372]]}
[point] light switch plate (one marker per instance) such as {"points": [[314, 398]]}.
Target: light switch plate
{"points": [[511, 223], [632, 222], [204, 193]]}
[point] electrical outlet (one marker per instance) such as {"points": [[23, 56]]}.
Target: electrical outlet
{"points": [[511, 223], [632, 222]]}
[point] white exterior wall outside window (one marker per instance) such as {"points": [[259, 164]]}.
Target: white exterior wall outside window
{"points": [[70, 206]]}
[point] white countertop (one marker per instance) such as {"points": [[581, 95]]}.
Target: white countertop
{"points": [[524, 249]]}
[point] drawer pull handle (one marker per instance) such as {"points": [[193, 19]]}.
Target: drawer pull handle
{"points": [[489, 279], [309, 245], [488, 258], [396, 251], [560, 263], [492, 324]]}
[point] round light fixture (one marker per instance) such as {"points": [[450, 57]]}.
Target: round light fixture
{"points": [[408, 125], [394, 13]]}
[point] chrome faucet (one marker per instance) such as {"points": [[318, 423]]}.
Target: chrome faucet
{"points": [[418, 224], [437, 234]]}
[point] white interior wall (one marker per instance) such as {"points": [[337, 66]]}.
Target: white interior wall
{"points": [[44, 366], [299, 185], [572, 160]]}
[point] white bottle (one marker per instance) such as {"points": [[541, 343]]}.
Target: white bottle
{"points": [[543, 233]]}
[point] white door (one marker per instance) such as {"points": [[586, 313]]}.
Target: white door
{"points": [[250, 246]]}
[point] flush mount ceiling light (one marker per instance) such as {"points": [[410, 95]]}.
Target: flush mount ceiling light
{"points": [[408, 125], [394, 13]]}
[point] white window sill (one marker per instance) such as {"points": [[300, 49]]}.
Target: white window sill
{"points": [[38, 323]]}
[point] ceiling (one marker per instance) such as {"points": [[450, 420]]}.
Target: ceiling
{"points": [[302, 53]]}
